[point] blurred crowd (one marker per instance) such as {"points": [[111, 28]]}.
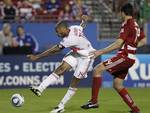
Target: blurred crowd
{"points": [[141, 8], [38, 10], [51, 10], [20, 11], [47, 10], [19, 42]]}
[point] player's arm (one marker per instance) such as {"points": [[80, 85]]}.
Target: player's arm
{"points": [[116, 45], [53, 50], [142, 38], [84, 20], [142, 42]]}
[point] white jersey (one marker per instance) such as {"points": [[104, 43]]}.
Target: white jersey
{"points": [[77, 41]]}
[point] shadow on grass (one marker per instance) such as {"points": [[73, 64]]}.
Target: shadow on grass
{"points": [[73, 110], [116, 111]]}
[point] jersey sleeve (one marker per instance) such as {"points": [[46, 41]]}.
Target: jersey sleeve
{"points": [[81, 28], [123, 33], [68, 42]]}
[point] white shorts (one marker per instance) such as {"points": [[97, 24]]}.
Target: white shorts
{"points": [[80, 65]]}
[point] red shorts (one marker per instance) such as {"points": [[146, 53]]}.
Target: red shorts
{"points": [[119, 65]]}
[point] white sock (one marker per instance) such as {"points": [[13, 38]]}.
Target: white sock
{"points": [[52, 78], [67, 97]]}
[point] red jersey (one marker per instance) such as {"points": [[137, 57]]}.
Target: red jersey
{"points": [[131, 34], [26, 9]]}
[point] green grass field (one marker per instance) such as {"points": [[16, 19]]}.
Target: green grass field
{"points": [[110, 101]]}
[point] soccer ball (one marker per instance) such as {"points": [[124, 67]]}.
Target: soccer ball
{"points": [[17, 100]]}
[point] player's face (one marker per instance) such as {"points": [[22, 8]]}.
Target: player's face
{"points": [[122, 15], [7, 30], [61, 31], [20, 31]]}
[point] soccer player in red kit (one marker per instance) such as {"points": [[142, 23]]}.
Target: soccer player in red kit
{"points": [[129, 39]]}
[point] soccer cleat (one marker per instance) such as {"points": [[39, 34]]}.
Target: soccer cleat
{"points": [[57, 110], [89, 105], [35, 91], [134, 112]]}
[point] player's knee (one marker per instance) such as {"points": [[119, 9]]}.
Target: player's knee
{"points": [[117, 87], [118, 84], [60, 71], [98, 70]]}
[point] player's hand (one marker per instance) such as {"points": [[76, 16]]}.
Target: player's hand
{"points": [[32, 57], [84, 17]]}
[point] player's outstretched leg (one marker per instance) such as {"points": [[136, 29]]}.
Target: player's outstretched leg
{"points": [[96, 84], [52, 78], [70, 93], [60, 108], [125, 95]]}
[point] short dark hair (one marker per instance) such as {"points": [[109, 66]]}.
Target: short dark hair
{"points": [[61, 23], [127, 9], [20, 26]]}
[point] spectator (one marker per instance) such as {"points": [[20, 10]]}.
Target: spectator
{"points": [[26, 10], [51, 5], [66, 13], [51, 8], [5, 37], [41, 12], [26, 39], [1, 6], [15, 2], [79, 9], [9, 12], [64, 2], [36, 4]]}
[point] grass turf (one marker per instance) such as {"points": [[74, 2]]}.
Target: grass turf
{"points": [[110, 101]]}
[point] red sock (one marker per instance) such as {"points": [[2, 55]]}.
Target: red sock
{"points": [[96, 84], [128, 100]]}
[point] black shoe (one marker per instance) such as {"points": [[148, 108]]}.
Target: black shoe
{"points": [[35, 91], [134, 112], [58, 110], [89, 105]]}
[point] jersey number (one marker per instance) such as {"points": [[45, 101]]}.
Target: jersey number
{"points": [[78, 33]]}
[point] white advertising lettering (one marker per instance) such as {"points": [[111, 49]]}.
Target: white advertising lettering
{"points": [[144, 71]]}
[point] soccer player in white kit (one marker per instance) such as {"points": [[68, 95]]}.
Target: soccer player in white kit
{"points": [[78, 59]]}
